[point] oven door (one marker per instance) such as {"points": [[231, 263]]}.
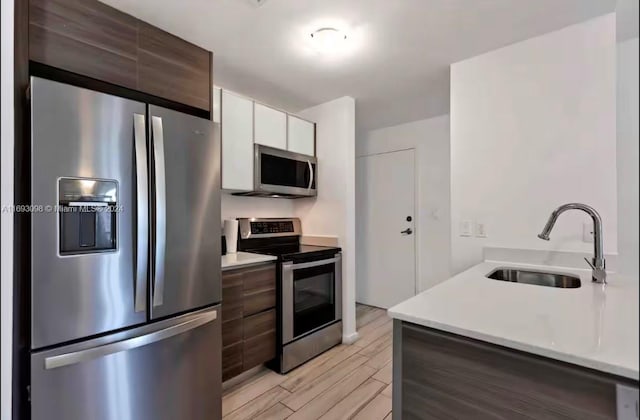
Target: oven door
{"points": [[311, 296], [282, 172]]}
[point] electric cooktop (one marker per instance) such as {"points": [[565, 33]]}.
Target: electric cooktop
{"points": [[279, 237]]}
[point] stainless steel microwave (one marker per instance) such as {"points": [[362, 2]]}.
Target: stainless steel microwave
{"points": [[281, 173]]}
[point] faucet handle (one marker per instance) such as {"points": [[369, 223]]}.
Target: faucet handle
{"points": [[593, 267], [598, 275]]}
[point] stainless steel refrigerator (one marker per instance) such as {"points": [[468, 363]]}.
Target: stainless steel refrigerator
{"points": [[125, 259]]}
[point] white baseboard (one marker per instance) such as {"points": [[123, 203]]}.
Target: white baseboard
{"points": [[351, 338]]}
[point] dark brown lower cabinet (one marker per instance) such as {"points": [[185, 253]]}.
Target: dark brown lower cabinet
{"points": [[437, 375], [232, 361], [259, 339], [248, 318]]}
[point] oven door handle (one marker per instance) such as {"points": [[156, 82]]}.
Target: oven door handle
{"points": [[291, 266]]}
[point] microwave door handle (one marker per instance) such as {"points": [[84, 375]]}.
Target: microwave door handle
{"points": [[310, 174], [142, 210], [161, 211]]}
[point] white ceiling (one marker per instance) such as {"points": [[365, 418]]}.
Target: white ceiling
{"points": [[398, 66]]}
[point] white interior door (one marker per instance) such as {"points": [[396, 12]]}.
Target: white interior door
{"points": [[385, 220]]}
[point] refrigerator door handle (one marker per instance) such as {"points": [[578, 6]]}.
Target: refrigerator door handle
{"points": [[81, 356], [160, 211], [142, 217]]}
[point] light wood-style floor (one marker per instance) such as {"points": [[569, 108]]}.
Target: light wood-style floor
{"points": [[347, 382]]}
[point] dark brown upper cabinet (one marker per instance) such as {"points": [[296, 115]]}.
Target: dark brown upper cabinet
{"points": [[92, 39], [172, 68]]}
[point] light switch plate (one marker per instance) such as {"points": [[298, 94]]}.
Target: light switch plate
{"points": [[626, 402], [466, 228], [480, 230]]}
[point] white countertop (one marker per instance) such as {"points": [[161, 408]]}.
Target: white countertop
{"points": [[594, 326], [240, 259]]}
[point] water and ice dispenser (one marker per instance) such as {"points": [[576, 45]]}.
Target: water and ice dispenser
{"points": [[88, 215]]}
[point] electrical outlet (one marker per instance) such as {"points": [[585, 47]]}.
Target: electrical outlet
{"points": [[466, 228], [481, 230], [587, 232]]}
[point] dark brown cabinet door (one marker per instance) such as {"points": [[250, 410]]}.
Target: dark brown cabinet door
{"points": [[259, 339], [248, 318], [232, 295], [84, 37], [172, 68], [92, 39], [232, 361], [259, 289], [439, 375]]}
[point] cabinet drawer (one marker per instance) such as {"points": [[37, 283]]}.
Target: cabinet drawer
{"points": [[232, 296], [259, 290], [259, 349], [232, 361], [260, 279], [258, 324], [232, 332], [260, 301]]}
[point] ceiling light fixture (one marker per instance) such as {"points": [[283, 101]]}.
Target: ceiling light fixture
{"points": [[328, 39]]}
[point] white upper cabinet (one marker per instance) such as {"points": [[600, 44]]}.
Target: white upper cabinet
{"points": [[236, 116], [301, 136], [217, 92], [270, 127]]}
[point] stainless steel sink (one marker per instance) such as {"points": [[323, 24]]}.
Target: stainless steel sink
{"points": [[539, 278]]}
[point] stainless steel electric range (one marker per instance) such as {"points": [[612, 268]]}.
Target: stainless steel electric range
{"points": [[309, 289]]}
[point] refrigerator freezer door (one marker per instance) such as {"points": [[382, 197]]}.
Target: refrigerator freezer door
{"points": [[78, 133], [164, 371], [186, 210]]}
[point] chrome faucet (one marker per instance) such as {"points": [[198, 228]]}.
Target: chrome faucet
{"points": [[597, 263]]}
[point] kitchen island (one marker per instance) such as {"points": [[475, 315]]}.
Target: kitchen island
{"points": [[474, 346]]}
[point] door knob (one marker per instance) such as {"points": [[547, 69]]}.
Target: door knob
{"points": [[407, 231]]}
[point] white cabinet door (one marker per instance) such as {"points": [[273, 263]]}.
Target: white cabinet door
{"points": [[217, 92], [270, 127], [237, 142], [302, 136]]}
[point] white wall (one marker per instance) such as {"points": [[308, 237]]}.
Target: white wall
{"points": [[533, 126], [628, 185], [6, 243], [332, 212], [430, 140], [237, 206]]}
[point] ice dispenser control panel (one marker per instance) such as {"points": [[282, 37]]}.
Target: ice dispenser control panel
{"points": [[88, 215]]}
